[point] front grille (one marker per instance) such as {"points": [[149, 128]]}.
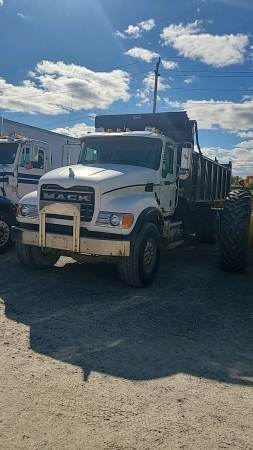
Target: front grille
{"points": [[81, 195]]}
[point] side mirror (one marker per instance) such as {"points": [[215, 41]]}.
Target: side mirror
{"points": [[185, 161], [34, 156]]}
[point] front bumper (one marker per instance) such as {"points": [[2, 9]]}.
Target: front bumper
{"points": [[90, 246], [68, 243]]}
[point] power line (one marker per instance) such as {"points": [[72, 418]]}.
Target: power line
{"points": [[125, 65], [166, 58], [208, 71], [210, 89], [204, 102], [175, 75]]}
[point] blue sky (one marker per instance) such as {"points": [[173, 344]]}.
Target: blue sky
{"points": [[64, 61]]}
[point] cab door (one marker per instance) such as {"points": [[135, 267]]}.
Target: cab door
{"points": [[168, 190], [29, 172]]}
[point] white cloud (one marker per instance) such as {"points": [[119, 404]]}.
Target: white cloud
{"points": [[211, 114], [217, 51], [170, 65], [147, 25], [24, 17], [142, 53], [242, 159], [189, 80], [78, 130], [122, 35], [56, 88], [1, 2], [149, 83], [245, 144], [145, 95], [245, 134], [135, 31], [236, 118]]}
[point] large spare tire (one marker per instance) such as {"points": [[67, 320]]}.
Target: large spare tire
{"points": [[235, 226]]}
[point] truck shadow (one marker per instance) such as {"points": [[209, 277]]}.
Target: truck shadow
{"points": [[194, 319]]}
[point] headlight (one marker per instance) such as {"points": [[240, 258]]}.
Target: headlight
{"points": [[28, 210], [115, 220], [119, 220]]}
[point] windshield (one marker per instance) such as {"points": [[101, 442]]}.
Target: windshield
{"points": [[132, 150], [8, 152]]}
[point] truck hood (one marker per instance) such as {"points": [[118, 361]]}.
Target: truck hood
{"points": [[109, 176]]}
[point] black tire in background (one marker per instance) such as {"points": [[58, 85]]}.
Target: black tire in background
{"points": [[5, 232], [235, 225], [140, 268], [36, 258]]}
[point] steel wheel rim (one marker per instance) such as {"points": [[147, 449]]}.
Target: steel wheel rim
{"points": [[149, 257], [4, 233]]}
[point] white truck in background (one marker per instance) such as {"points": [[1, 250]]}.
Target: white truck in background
{"points": [[27, 153]]}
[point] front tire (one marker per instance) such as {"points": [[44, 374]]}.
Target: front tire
{"points": [[140, 268], [234, 240], [5, 233], [36, 258]]}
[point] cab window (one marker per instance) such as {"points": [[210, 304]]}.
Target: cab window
{"points": [[168, 161], [25, 157], [41, 160]]}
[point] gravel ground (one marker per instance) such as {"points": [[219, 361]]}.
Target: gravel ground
{"points": [[88, 363]]}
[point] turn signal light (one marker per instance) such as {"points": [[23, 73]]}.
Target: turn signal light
{"points": [[127, 220]]}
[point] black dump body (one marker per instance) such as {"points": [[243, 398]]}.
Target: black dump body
{"points": [[209, 181]]}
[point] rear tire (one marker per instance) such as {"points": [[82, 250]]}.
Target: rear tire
{"points": [[140, 268], [36, 258], [5, 232], [234, 240]]}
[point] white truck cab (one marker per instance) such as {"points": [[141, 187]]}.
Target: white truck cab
{"points": [[22, 162]]}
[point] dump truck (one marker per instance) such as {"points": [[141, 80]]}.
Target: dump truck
{"points": [[138, 186], [26, 153]]}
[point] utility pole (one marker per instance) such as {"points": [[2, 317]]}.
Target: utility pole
{"points": [[157, 74]]}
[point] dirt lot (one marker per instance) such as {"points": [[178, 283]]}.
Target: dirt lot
{"points": [[88, 363]]}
